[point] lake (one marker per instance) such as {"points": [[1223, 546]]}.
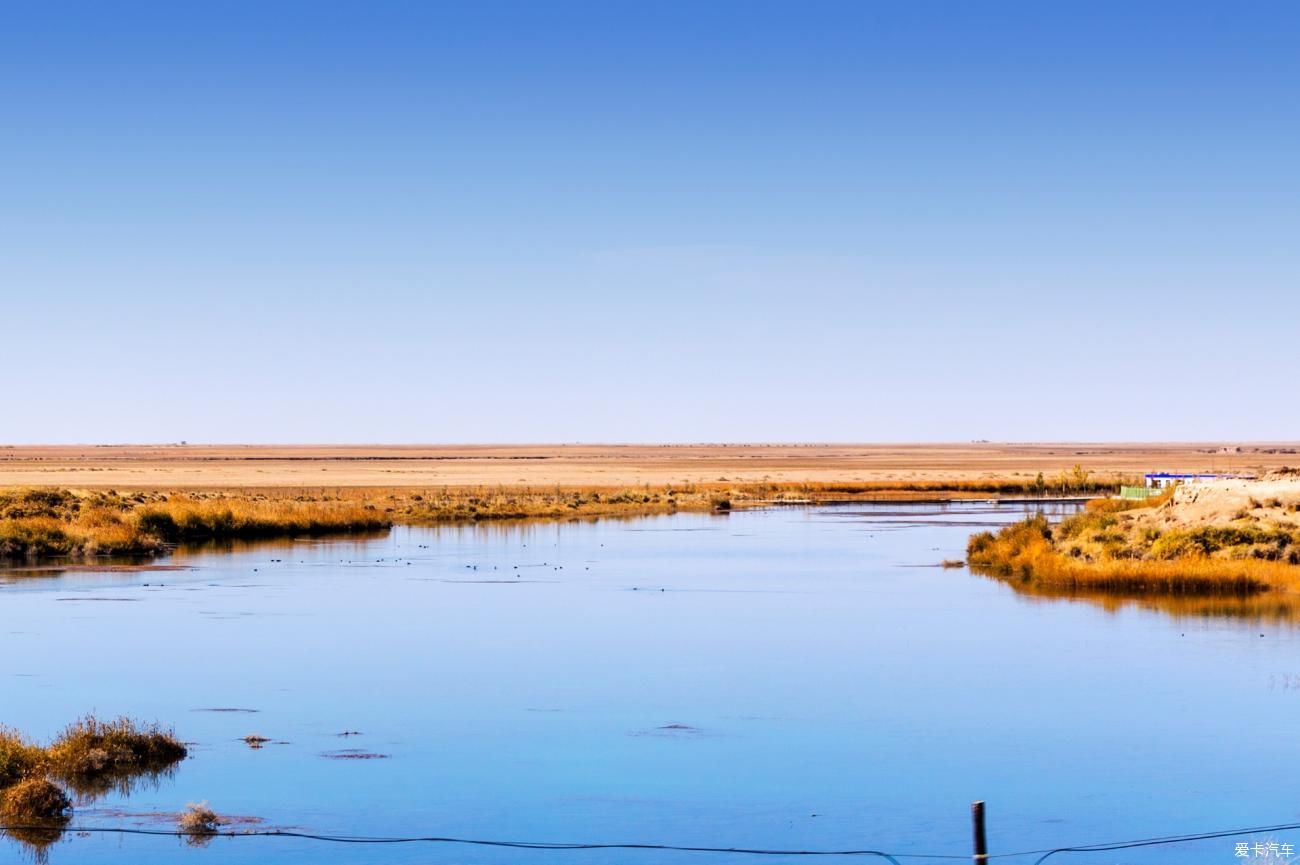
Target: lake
{"points": [[801, 678]]}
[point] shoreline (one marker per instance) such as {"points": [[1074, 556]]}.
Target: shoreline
{"points": [[41, 523]]}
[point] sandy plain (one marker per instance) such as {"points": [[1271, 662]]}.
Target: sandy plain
{"points": [[201, 466]]}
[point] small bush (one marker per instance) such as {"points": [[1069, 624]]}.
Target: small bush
{"points": [[160, 524], [199, 822], [91, 749], [34, 800]]}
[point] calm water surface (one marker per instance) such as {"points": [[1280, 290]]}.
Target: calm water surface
{"points": [[786, 678]]}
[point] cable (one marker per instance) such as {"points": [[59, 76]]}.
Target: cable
{"points": [[1149, 842], [1043, 855], [520, 845]]}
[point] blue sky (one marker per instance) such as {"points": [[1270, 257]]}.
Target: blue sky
{"points": [[649, 221]]}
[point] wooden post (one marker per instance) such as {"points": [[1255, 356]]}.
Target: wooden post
{"points": [[981, 842]]}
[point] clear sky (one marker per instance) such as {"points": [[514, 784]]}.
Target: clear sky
{"points": [[649, 221]]}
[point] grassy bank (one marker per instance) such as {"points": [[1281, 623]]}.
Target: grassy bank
{"points": [[515, 503], [43, 522], [1111, 546], [35, 523]]}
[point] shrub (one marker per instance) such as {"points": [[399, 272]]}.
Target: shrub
{"points": [[199, 822], [91, 749], [160, 524], [34, 800]]}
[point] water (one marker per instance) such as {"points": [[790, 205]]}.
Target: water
{"points": [[795, 678]]}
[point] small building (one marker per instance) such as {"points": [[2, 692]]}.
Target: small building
{"points": [[1162, 480]]}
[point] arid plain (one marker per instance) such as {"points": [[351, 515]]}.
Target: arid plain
{"points": [[580, 465]]}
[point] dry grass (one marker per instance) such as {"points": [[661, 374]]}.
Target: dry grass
{"points": [[36, 523], [478, 504], [90, 756], [91, 752], [36, 811], [1105, 548], [34, 800], [44, 522], [19, 758], [32, 806], [199, 820]]}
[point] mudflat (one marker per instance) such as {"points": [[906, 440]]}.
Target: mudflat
{"points": [[224, 466]]}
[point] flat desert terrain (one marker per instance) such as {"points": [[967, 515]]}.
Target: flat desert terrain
{"points": [[224, 466]]}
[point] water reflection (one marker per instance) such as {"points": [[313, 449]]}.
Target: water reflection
{"points": [[36, 838], [1273, 608], [91, 788]]}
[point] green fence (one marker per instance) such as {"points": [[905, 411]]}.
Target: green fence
{"points": [[1139, 492]]}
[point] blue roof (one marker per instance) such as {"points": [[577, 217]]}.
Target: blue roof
{"points": [[1176, 475]]}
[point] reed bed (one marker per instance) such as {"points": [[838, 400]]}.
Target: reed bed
{"points": [[37, 523], [40, 523]]}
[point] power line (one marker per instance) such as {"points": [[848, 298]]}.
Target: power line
{"points": [[1043, 854], [1151, 842], [478, 842]]}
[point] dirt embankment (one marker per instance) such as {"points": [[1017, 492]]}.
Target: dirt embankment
{"points": [[1274, 498]]}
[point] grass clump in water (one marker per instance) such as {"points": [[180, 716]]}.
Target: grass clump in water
{"points": [[36, 812], [94, 756], [199, 823], [34, 800], [35, 809], [91, 757]]}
